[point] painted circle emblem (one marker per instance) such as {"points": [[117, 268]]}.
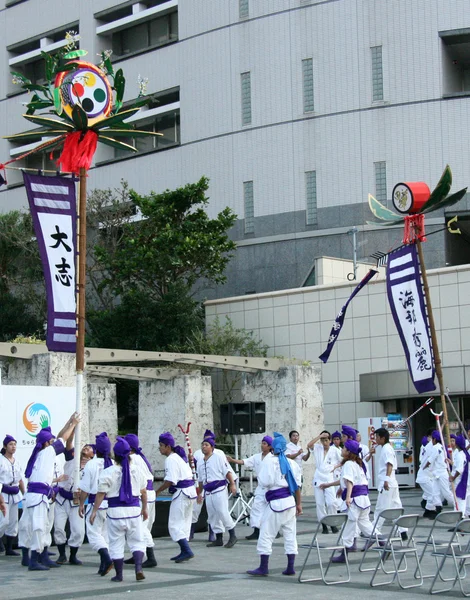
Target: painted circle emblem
{"points": [[36, 416]]}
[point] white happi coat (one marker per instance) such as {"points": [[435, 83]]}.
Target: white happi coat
{"points": [[216, 468], [358, 511], [10, 474], [98, 532], [140, 463], [386, 498], [255, 462], [181, 508], [67, 509]]}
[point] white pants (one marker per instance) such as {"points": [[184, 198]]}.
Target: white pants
{"points": [[180, 517], [98, 532], [257, 509], [467, 504], [358, 518], [387, 499], [69, 511], [33, 527], [121, 531], [196, 511], [147, 527], [325, 501], [274, 522], [217, 511], [9, 523], [444, 489], [430, 493]]}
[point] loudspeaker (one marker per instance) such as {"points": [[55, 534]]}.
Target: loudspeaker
{"points": [[258, 417], [224, 418], [235, 418]]}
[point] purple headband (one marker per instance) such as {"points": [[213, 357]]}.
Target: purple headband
{"points": [[209, 440], [353, 446], [167, 439], [8, 439], [268, 439], [349, 432], [122, 450], [209, 434], [133, 442], [42, 437], [103, 446], [180, 452], [424, 441], [460, 442], [336, 434], [436, 436]]}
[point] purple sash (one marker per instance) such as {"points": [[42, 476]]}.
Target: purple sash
{"points": [[91, 498], [117, 503], [278, 494], [358, 490], [183, 483], [65, 494], [461, 489], [11, 490], [150, 485], [211, 486], [40, 488]]}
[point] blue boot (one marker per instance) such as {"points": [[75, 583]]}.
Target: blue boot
{"points": [[262, 570], [118, 567], [46, 561], [186, 552], [138, 558], [290, 565], [34, 564], [25, 557], [106, 562]]}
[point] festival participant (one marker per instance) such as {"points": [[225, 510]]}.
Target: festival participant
{"points": [[259, 501], [281, 477], [326, 458], [348, 433], [212, 472], [436, 463], [11, 478], [40, 474], [365, 455], [179, 480], [459, 475], [336, 440], [121, 484], [355, 496], [294, 451], [67, 506], [139, 459], [422, 477], [97, 532], [387, 484]]}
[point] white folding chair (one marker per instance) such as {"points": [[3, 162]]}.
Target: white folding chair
{"points": [[399, 550], [458, 555], [375, 539], [338, 521]]}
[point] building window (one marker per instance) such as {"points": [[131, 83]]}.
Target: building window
{"points": [[311, 197], [162, 116], [145, 36], [377, 74], [307, 78], [249, 204], [246, 98], [455, 62], [243, 9], [380, 169]]}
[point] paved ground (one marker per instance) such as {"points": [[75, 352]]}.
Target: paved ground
{"points": [[213, 573]]}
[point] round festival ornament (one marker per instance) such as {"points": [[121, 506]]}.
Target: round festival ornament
{"points": [[410, 197]]}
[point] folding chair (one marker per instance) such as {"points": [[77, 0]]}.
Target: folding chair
{"points": [[399, 552], [339, 521], [459, 556], [449, 518], [374, 539]]}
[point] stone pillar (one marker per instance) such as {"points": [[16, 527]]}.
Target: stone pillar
{"points": [[163, 404], [294, 400]]}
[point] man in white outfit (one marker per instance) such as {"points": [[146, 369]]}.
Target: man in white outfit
{"points": [[11, 476], [436, 463], [281, 476], [255, 462], [97, 532], [179, 480]]}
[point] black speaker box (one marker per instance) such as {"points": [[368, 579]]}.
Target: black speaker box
{"points": [[258, 417]]}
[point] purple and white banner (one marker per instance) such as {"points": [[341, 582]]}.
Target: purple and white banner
{"points": [[53, 207], [406, 297], [338, 323]]}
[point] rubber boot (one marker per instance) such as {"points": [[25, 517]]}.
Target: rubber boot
{"points": [[193, 529], [62, 557], [129, 561], [138, 557], [34, 565], [353, 548], [46, 561], [290, 565], [232, 540], [341, 558], [106, 562], [118, 567], [254, 535], [324, 528], [334, 529], [25, 557], [186, 552], [9, 547], [262, 570], [212, 537], [73, 560], [219, 541], [2, 547], [151, 560]]}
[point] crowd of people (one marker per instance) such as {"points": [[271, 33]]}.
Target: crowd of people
{"points": [[113, 501]]}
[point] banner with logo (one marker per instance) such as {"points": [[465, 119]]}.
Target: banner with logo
{"points": [[406, 297], [27, 409], [338, 323], [52, 202]]}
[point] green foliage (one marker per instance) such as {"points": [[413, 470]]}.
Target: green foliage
{"points": [[16, 318]]}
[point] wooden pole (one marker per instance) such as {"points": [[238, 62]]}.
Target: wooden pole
{"points": [[435, 345]]}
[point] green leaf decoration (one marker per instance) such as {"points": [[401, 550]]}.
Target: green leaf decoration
{"points": [[75, 54], [119, 85], [67, 67], [125, 114], [79, 117], [441, 190], [57, 101], [381, 211], [117, 106], [107, 64], [32, 87], [20, 76], [49, 65], [37, 133], [449, 201], [48, 122], [115, 144], [129, 133], [37, 105]]}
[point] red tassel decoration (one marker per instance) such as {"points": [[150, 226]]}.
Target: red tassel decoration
{"points": [[78, 151]]}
